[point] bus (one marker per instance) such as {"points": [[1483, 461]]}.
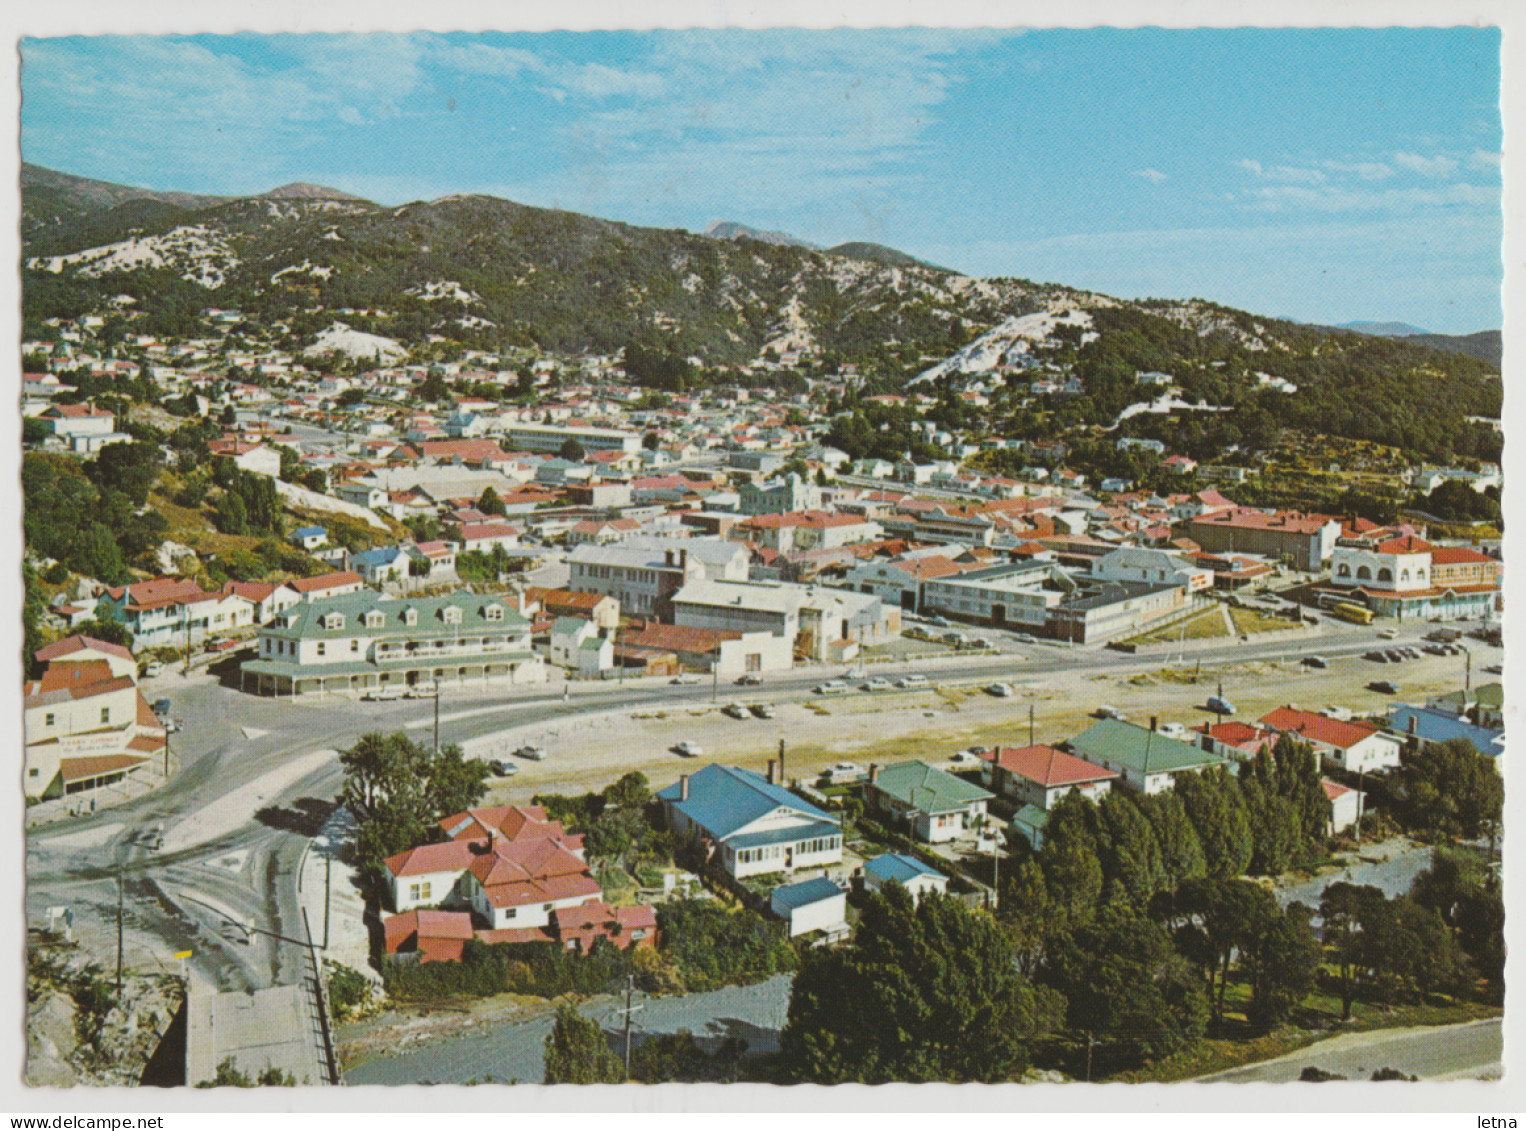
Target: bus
{"points": [[1356, 614]]}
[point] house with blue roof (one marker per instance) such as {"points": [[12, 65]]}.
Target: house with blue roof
{"points": [[750, 825], [309, 537], [811, 905], [387, 563], [900, 868], [1432, 725]]}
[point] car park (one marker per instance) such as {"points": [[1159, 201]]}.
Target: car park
{"points": [[1383, 687], [689, 749], [532, 752]]}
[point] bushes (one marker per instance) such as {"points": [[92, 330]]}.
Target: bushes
{"points": [[714, 947], [538, 969]]}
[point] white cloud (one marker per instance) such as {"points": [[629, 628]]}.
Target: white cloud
{"points": [[1154, 176], [1438, 166], [1332, 198], [1486, 158], [1366, 170], [1253, 166]]}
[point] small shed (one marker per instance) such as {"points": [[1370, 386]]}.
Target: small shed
{"points": [[811, 905]]}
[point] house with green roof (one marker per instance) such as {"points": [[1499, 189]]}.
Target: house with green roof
{"points": [[1145, 760], [365, 641], [934, 804]]}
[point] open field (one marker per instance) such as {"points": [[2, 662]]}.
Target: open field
{"points": [[1205, 626]]}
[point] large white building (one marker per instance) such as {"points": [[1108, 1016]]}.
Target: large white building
{"points": [[551, 437], [365, 641]]}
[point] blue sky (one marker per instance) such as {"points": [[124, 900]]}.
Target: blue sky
{"points": [[1330, 175]]}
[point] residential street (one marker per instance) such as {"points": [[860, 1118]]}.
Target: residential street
{"points": [[238, 816]]}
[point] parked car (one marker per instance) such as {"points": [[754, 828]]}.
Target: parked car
{"points": [[1376, 656], [749, 680], [1173, 730], [831, 687], [689, 749], [422, 691], [162, 707], [1389, 634], [503, 768], [737, 711], [937, 622], [1111, 713], [763, 710], [1383, 687], [914, 680], [878, 683], [152, 838], [1220, 705], [383, 694], [1315, 662], [1000, 690], [979, 642], [686, 678], [844, 771], [154, 668], [965, 758], [532, 752], [1494, 669], [1395, 656], [953, 638]]}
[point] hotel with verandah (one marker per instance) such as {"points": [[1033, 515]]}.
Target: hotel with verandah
{"points": [[365, 641]]}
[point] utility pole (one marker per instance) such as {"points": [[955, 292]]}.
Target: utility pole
{"points": [[715, 679], [328, 889], [1090, 1042], [1031, 740], [629, 1011], [1360, 797], [121, 909], [436, 718]]}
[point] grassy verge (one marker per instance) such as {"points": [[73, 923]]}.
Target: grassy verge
{"points": [[1204, 626], [1248, 621]]}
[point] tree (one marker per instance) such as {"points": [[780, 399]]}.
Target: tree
{"points": [[230, 515], [1130, 855], [1345, 910], [677, 1058], [386, 780], [651, 441], [1280, 958], [1181, 852], [923, 992], [1223, 915], [1216, 809], [571, 450], [456, 783], [130, 468], [1449, 788], [490, 503], [577, 1052], [433, 388], [1127, 987]]}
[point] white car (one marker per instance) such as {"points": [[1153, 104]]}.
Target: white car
{"points": [[686, 678], [503, 769], [737, 711], [1389, 634], [763, 710], [689, 749], [153, 669], [878, 683], [965, 758], [532, 752], [422, 691], [1000, 690], [845, 771], [831, 687], [1111, 713], [1173, 730], [912, 681]]}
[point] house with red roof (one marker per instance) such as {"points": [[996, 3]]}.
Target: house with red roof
{"points": [[173, 611], [90, 736], [1408, 577], [83, 428], [1354, 746], [507, 874], [1040, 775], [1234, 739], [327, 585], [1346, 805]]}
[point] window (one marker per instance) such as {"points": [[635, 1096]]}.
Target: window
{"points": [[494, 612], [410, 617], [322, 647], [413, 891], [105, 714], [452, 615], [48, 721], [1385, 574], [1343, 571], [547, 906], [1363, 573], [354, 645], [511, 912], [374, 619], [426, 889]]}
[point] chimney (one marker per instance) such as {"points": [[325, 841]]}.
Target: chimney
{"points": [[683, 787], [772, 780], [874, 772], [1412, 726], [782, 778], [683, 559], [667, 557], [1154, 722]]}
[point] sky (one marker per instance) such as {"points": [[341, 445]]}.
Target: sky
{"points": [[1329, 175]]}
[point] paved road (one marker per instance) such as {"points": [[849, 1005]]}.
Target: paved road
{"points": [[225, 869], [1472, 1051]]}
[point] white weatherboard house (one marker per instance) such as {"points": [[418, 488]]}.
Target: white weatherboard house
{"points": [[811, 905], [753, 826], [899, 868]]}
